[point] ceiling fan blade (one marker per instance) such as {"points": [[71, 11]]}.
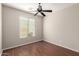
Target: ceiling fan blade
{"points": [[42, 13], [36, 14], [47, 10]]}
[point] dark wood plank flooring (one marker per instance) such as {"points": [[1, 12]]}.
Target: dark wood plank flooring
{"points": [[40, 48]]}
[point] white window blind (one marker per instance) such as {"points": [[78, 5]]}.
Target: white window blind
{"points": [[27, 27]]}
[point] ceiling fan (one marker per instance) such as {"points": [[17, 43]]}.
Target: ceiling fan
{"points": [[40, 10]]}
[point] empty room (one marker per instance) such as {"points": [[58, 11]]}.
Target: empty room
{"points": [[39, 29]]}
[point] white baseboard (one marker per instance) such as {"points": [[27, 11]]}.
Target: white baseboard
{"points": [[21, 45], [37, 41], [62, 46]]}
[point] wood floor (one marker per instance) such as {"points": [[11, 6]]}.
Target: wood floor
{"points": [[40, 48]]}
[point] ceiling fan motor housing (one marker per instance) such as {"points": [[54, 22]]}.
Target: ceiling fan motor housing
{"points": [[40, 10]]}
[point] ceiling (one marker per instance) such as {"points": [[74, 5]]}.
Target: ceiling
{"points": [[31, 7]]}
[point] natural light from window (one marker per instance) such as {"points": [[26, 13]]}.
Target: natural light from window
{"points": [[27, 27]]}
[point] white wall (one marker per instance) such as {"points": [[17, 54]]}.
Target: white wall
{"points": [[62, 28], [0, 29], [11, 28]]}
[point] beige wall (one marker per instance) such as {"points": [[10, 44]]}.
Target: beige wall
{"points": [[11, 28], [0, 28], [62, 27]]}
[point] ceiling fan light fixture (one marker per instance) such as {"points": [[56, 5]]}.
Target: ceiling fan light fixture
{"points": [[40, 10]]}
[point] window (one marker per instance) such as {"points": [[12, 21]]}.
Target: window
{"points": [[27, 27]]}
